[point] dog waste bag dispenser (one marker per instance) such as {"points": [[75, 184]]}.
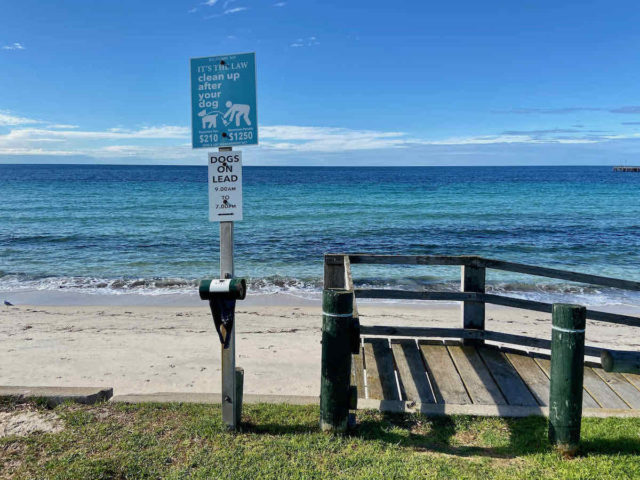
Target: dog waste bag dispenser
{"points": [[222, 296]]}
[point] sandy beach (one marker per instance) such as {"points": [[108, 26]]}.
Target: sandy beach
{"points": [[152, 348]]}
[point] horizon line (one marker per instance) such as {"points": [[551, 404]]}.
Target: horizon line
{"points": [[312, 166]]}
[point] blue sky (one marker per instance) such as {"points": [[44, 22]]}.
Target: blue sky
{"points": [[351, 83]]}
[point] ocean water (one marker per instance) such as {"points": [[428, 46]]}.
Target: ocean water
{"points": [[144, 229]]}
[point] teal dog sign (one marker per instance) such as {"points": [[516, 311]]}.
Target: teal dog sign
{"points": [[223, 101]]}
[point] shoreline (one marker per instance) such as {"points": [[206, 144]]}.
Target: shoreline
{"points": [[52, 298]]}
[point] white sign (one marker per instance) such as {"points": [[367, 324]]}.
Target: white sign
{"points": [[225, 186]]}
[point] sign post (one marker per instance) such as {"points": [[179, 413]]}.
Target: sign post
{"points": [[231, 408], [223, 115]]}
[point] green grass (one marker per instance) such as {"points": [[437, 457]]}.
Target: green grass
{"points": [[177, 441]]}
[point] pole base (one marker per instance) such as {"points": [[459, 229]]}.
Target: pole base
{"points": [[567, 450], [330, 428]]}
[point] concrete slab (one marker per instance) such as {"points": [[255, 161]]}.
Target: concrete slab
{"points": [[184, 397], [57, 395]]}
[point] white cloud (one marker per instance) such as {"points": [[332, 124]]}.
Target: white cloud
{"points": [[155, 142], [35, 151], [172, 152], [223, 9], [329, 139], [529, 139], [62, 126], [234, 10], [13, 46], [159, 142], [7, 119], [624, 109], [164, 131], [51, 140], [44, 134], [228, 11], [305, 42], [172, 142]]}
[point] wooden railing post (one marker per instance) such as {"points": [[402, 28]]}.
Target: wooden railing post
{"points": [[473, 280], [335, 393], [335, 275], [567, 374]]}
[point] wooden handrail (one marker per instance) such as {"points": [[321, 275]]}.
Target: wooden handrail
{"points": [[472, 295], [489, 298], [415, 259], [415, 295], [476, 261], [560, 274]]}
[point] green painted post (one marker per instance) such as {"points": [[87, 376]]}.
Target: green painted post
{"points": [[337, 317], [567, 372]]}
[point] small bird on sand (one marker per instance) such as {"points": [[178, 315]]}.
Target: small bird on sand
{"points": [[8, 304]]}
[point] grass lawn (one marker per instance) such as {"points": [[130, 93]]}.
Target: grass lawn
{"points": [[188, 441]]}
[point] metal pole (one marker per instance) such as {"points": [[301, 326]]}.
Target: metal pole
{"points": [[230, 404]]}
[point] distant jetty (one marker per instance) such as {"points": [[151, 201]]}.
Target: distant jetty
{"points": [[626, 169]]}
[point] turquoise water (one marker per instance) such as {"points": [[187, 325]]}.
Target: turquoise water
{"points": [[144, 229]]}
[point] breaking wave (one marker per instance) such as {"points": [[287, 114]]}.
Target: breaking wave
{"points": [[147, 286], [311, 287]]}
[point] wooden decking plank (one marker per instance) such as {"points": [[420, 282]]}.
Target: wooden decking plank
{"points": [[633, 379], [601, 392], [507, 378], [476, 377], [374, 388], [621, 386], [587, 399], [411, 371], [357, 373], [447, 384], [381, 378], [532, 375]]}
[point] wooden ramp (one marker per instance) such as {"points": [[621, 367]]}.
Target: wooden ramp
{"points": [[435, 376]]}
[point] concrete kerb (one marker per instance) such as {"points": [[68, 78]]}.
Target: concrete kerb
{"points": [[53, 396], [90, 395], [213, 398]]}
